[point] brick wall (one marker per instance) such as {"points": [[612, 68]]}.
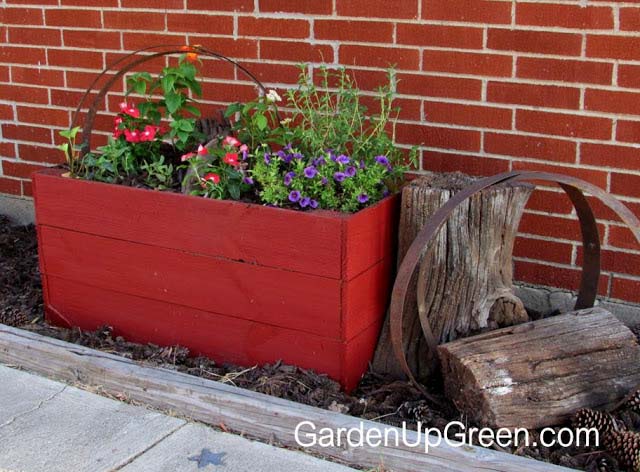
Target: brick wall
{"points": [[485, 86]]}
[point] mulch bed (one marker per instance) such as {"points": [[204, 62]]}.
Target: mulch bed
{"points": [[377, 398]]}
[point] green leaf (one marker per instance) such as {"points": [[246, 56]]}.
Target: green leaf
{"points": [[141, 87], [261, 121], [167, 83], [173, 101], [193, 110]]}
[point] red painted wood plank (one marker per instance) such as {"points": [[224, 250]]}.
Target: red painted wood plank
{"points": [[307, 242], [370, 236], [277, 297], [365, 298], [222, 338], [359, 352]]}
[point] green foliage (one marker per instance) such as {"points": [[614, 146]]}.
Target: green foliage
{"points": [[70, 149]]}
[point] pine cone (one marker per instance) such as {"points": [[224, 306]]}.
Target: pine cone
{"points": [[604, 465], [417, 411], [633, 402], [13, 317], [588, 418], [625, 447]]}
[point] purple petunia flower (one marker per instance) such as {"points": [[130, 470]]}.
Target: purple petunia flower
{"points": [[304, 202], [248, 180], [339, 176], [362, 164], [385, 192], [297, 155], [382, 160], [288, 147], [313, 204], [342, 159], [294, 196], [324, 181], [319, 161], [350, 171], [288, 177], [310, 172], [267, 158], [363, 198]]}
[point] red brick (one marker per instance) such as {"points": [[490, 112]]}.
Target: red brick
{"points": [[65, 98], [473, 165], [295, 51], [613, 47], [628, 131], [26, 133], [135, 41], [564, 70], [562, 124], [612, 101], [4, 73], [165, 5], [384, 57], [39, 36], [92, 39], [46, 154], [351, 30], [471, 11], [410, 109], [318, 7], [551, 202], [467, 63], [82, 59], [377, 8], [73, 18], [15, 93], [536, 95], [616, 261], [136, 21], [535, 147], [235, 48], [197, 23], [625, 184], [22, 55], [622, 237], [606, 155], [445, 138], [543, 250], [90, 3], [10, 186], [468, 115], [273, 27], [6, 112], [566, 44], [50, 116], [625, 289], [565, 16], [438, 86], [630, 19], [436, 35], [596, 177], [543, 274], [228, 92], [19, 169], [629, 76], [550, 226], [21, 16], [604, 213], [220, 5], [30, 2], [37, 76], [27, 188]]}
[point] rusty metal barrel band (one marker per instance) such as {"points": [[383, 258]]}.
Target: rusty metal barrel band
{"points": [[573, 187]]}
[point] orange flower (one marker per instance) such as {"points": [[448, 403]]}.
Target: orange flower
{"points": [[191, 56]]}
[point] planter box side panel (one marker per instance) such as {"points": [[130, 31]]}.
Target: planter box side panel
{"points": [[291, 300], [358, 354], [256, 234], [222, 338], [370, 236]]}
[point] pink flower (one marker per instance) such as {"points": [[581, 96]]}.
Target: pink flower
{"points": [[230, 141], [117, 132], [132, 136], [231, 158], [202, 151], [129, 109], [243, 148], [117, 121], [187, 156], [212, 177], [149, 133]]}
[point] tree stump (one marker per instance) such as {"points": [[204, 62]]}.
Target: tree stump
{"points": [[539, 373], [470, 271]]}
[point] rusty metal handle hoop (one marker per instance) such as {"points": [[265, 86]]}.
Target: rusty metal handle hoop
{"points": [[156, 51], [423, 244]]}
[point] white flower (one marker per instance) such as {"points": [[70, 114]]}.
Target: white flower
{"points": [[272, 96]]}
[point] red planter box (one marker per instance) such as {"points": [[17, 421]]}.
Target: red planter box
{"points": [[237, 282]]}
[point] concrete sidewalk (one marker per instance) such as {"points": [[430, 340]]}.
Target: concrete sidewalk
{"points": [[47, 426]]}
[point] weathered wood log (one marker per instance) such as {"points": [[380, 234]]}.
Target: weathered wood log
{"points": [[469, 270], [242, 411], [539, 373]]}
